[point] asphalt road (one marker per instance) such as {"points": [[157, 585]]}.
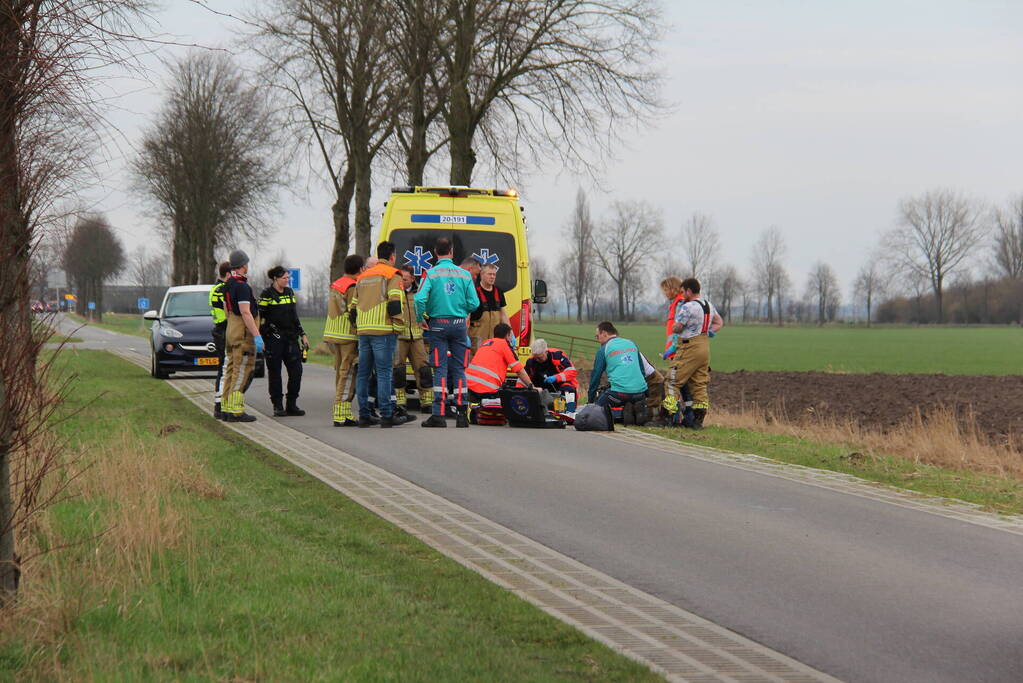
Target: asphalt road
{"points": [[860, 589]]}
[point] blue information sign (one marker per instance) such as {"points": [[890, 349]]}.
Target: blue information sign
{"points": [[143, 303], [296, 278], [92, 305]]}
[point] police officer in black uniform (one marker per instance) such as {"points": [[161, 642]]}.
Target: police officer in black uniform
{"points": [[285, 340]]}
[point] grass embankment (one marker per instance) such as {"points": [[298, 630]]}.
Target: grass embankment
{"points": [[117, 322], [891, 350], [936, 455], [193, 554]]}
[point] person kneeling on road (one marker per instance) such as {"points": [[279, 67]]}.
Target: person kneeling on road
{"points": [[552, 369], [621, 360], [491, 363], [285, 340]]}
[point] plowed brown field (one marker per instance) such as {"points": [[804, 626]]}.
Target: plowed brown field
{"points": [[875, 400]]}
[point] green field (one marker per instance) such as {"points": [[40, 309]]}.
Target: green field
{"points": [[202, 556], [892, 350]]}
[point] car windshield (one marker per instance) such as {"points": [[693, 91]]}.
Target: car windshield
{"points": [[183, 304], [415, 248]]}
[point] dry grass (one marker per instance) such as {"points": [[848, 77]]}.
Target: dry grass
{"points": [[123, 510], [942, 438]]}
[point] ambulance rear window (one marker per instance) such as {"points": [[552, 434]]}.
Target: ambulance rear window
{"points": [[415, 248]]}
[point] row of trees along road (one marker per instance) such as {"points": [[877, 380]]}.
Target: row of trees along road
{"points": [[938, 235], [50, 54], [399, 81]]}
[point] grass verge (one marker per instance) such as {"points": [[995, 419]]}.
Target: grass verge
{"points": [[186, 552], [117, 322], [939, 454]]}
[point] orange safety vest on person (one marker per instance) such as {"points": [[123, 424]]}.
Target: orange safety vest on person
{"points": [[490, 366], [679, 298]]}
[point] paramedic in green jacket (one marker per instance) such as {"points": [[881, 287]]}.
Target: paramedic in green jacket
{"points": [[620, 359], [447, 296]]}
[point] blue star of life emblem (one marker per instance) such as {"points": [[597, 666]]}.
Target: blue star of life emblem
{"points": [[449, 287], [486, 258], [419, 260], [628, 359]]}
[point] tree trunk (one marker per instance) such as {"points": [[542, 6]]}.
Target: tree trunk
{"points": [[363, 194], [342, 223], [461, 127], [11, 238], [621, 299]]}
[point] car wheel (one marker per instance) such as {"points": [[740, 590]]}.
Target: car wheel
{"points": [[154, 368]]}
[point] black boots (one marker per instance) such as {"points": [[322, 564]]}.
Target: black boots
{"points": [[434, 421], [462, 419], [241, 417], [217, 414], [698, 415], [291, 409]]}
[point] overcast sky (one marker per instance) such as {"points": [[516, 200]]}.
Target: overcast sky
{"points": [[816, 117]]}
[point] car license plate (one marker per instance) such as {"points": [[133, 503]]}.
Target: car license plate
{"points": [[207, 361]]}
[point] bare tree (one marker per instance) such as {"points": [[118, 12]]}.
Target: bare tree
{"points": [[768, 270], [49, 52], [701, 244], [579, 257], [729, 286], [416, 52], [822, 289], [626, 240], [93, 256], [211, 164], [146, 271], [938, 232], [558, 78], [869, 285], [333, 61], [1008, 246]]}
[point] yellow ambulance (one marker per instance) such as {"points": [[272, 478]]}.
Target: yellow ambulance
{"points": [[486, 224]]}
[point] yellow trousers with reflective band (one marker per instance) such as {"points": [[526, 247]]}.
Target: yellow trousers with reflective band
{"points": [[414, 351], [239, 364], [692, 364], [346, 360]]}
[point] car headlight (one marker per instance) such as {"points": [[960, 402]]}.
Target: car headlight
{"points": [[171, 332]]}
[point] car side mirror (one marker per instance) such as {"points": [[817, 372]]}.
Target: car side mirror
{"points": [[539, 292], [151, 315]]}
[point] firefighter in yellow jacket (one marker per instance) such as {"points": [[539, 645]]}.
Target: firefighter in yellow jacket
{"points": [[412, 348], [379, 314], [243, 342], [339, 335]]}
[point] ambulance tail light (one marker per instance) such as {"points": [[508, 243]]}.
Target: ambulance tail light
{"points": [[522, 324]]}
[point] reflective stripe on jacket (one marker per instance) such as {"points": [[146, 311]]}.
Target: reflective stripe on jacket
{"points": [[338, 327], [411, 331], [490, 366], [374, 289], [217, 304]]}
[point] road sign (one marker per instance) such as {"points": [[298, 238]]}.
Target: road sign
{"points": [[71, 297], [92, 305], [296, 278], [143, 303]]}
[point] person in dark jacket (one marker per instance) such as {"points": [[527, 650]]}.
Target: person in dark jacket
{"points": [[285, 340]]}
